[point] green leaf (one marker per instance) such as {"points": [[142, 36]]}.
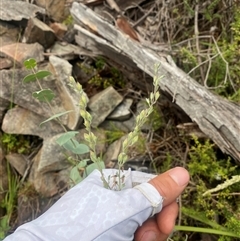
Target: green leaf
{"points": [[206, 230], [75, 175], [75, 147], [83, 163], [45, 95], [30, 63], [90, 168], [29, 78], [39, 75], [55, 116], [42, 74], [66, 137]]}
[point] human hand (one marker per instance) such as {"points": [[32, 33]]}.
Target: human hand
{"points": [[90, 212], [170, 185]]}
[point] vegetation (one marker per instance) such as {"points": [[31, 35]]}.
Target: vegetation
{"points": [[204, 38]]}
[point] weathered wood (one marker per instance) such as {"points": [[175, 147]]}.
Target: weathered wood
{"points": [[218, 118]]}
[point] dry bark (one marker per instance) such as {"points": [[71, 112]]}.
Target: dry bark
{"points": [[218, 118]]}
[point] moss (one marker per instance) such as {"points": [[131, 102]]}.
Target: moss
{"points": [[106, 75], [114, 135], [68, 21], [15, 143]]}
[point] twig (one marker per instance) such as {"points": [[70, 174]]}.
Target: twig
{"points": [[113, 5], [143, 17], [227, 66], [196, 31]]}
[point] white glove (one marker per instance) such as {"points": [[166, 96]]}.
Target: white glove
{"points": [[89, 211]]}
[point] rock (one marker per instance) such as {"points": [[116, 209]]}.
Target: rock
{"points": [[111, 155], [70, 35], [65, 50], [4, 105], [69, 98], [18, 10], [102, 104], [18, 162], [50, 170], [5, 63], [125, 126], [19, 52], [59, 29], [47, 164], [25, 122], [121, 112], [9, 33], [51, 183], [22, 93], [56, 9], [51, 157], [37, 31]]}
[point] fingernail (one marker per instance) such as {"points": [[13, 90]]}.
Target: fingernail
{"points": [[149, 236], [179, 175]]}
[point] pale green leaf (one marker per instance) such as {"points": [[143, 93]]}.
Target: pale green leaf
{"points": [[75, 175], [45, 95], [56, 116], [75, 147], [94, 166], [66, 137]]}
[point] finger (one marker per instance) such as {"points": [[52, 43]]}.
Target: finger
{"points": [[159, 227], [170, 184], [166, 218], [149, 231]]}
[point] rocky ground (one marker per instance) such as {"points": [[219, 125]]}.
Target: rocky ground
{"points": [[43, 30]]}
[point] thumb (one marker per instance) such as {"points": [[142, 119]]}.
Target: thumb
{"points": [[171, 184]]}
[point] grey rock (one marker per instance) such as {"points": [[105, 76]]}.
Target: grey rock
{"points": [[122, 111], [19, 52], [38, 32], [47, 168], [18, 162], [69, 98], [5, 63], [111, 155], [4, 105], [125, 126], [102, 104], [65, 50], [56, 9], [18, 10], [65, 98], [50, 169], [25, 122], [9, 33], [51, 157], [22, 93]]}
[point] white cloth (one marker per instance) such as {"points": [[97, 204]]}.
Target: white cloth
{"points": [[89, 211]]}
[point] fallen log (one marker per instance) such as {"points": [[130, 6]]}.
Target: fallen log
{"points": [[217, 117]]}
